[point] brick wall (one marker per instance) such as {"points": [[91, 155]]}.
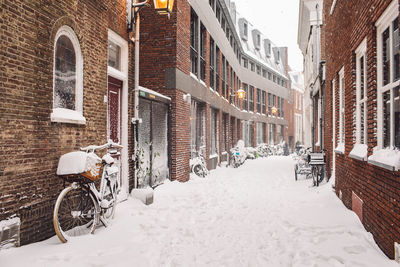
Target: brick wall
{"points": [[30, 144], [377, 188]]}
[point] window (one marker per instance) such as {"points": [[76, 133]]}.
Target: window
{"points": [[114, 55], [258, 100], [260, 132], [245, 29], [246, 97], [258, 70], [269, 76], [270, 104], [202, 52], [212, 4], [279, 106], [388, 78], [214, 132], [264, 95], [258, 40], [271, 133], [251, 98], [212, 62], [232, 94], [361, 94], [68, 77], [194, 43], [341, 110], [223, 78], [264, 73], [252, 66], [245, 63], [197, 128], [218, 12], [217, 68]]}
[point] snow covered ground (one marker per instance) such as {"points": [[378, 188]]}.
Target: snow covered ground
{"points": [[256, 215]]}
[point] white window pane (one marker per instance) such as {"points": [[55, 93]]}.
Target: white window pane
{"points": [[114, 55], [65, 74], [396, 108], [385, 56], [386, 118], [396, 59]]}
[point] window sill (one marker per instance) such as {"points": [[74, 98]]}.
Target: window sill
{"points": [[359, 152], [340, 149], [63, 115], [385, 158]]}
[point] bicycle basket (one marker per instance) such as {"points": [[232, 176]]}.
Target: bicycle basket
{"points": [[86, 164]]}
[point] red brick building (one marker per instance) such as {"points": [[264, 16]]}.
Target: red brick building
{"points": [[362, 126], [207, 52]]}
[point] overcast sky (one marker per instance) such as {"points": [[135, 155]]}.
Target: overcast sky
{"points": [[278, 20]]}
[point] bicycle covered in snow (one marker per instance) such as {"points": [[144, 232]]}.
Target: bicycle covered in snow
{"points": [[198, 165], [311, 164], [238, 154], [80, 207]]}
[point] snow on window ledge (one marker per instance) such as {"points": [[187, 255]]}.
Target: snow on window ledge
{"points": [[67, 116], [359, 151], [214, 156], [194, 76], [385, 158], [340, 148]]}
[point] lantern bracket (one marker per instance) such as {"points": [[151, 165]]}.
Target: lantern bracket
{"points": [[135, 9]]}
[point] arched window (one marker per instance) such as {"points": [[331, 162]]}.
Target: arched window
{"points": [[67, 78]]}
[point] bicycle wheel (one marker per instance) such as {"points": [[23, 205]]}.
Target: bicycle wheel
{"points": [[315, 174], [108, 202], [198, 170], [75, 213]]}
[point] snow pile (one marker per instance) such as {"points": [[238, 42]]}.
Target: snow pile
{"points": [[387, 156], [340, 148], [256, 215], [359, 151], [9, 232], [67, 115]]}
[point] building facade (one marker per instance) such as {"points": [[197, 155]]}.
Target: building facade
{"points": [[67, 81], [362, 127], [309, 39], [207, 53], [297, 86], [64, 84]]}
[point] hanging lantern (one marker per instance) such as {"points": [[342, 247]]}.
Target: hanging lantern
{"points": [[274, 110], [164, 6], [241, 93]]}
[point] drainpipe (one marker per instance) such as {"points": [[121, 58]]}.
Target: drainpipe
{"points": [[135, 119]]}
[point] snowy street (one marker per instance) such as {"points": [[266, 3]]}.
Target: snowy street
{"points": [[256, 215]]}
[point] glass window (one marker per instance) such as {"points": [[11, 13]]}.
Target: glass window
{"points": [[65, 74], [214, 132], [194, 43], [252, 66], [202, 52], [114, 55], [212, 62], [361, 94]]}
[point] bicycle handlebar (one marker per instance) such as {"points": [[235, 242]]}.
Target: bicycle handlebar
{"points": [[109, 144]]}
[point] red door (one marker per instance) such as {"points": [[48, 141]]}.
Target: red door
{"points": [[114, 110]]}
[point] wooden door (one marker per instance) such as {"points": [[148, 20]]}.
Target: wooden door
{"points": [[114, 109]]}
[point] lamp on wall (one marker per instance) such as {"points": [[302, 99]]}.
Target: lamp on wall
{"points": [[240, 94], [274, 110], [164, 7]]}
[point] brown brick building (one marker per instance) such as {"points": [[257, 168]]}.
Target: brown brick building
{"points": [[67, 81], [362, 126]]}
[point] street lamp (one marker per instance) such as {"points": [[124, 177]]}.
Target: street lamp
{"points": [[274, 110], [241, 93], [162, 7]]}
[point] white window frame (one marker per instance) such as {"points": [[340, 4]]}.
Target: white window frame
{"points": [[384, 22], [341, 137], [62, 114], [361, 52]]}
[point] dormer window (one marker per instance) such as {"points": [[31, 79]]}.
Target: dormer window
{"points": [[256, 39], [267, 47], [243, 29]]}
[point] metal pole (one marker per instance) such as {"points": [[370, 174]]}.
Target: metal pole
{"points": [[136, 89]]}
